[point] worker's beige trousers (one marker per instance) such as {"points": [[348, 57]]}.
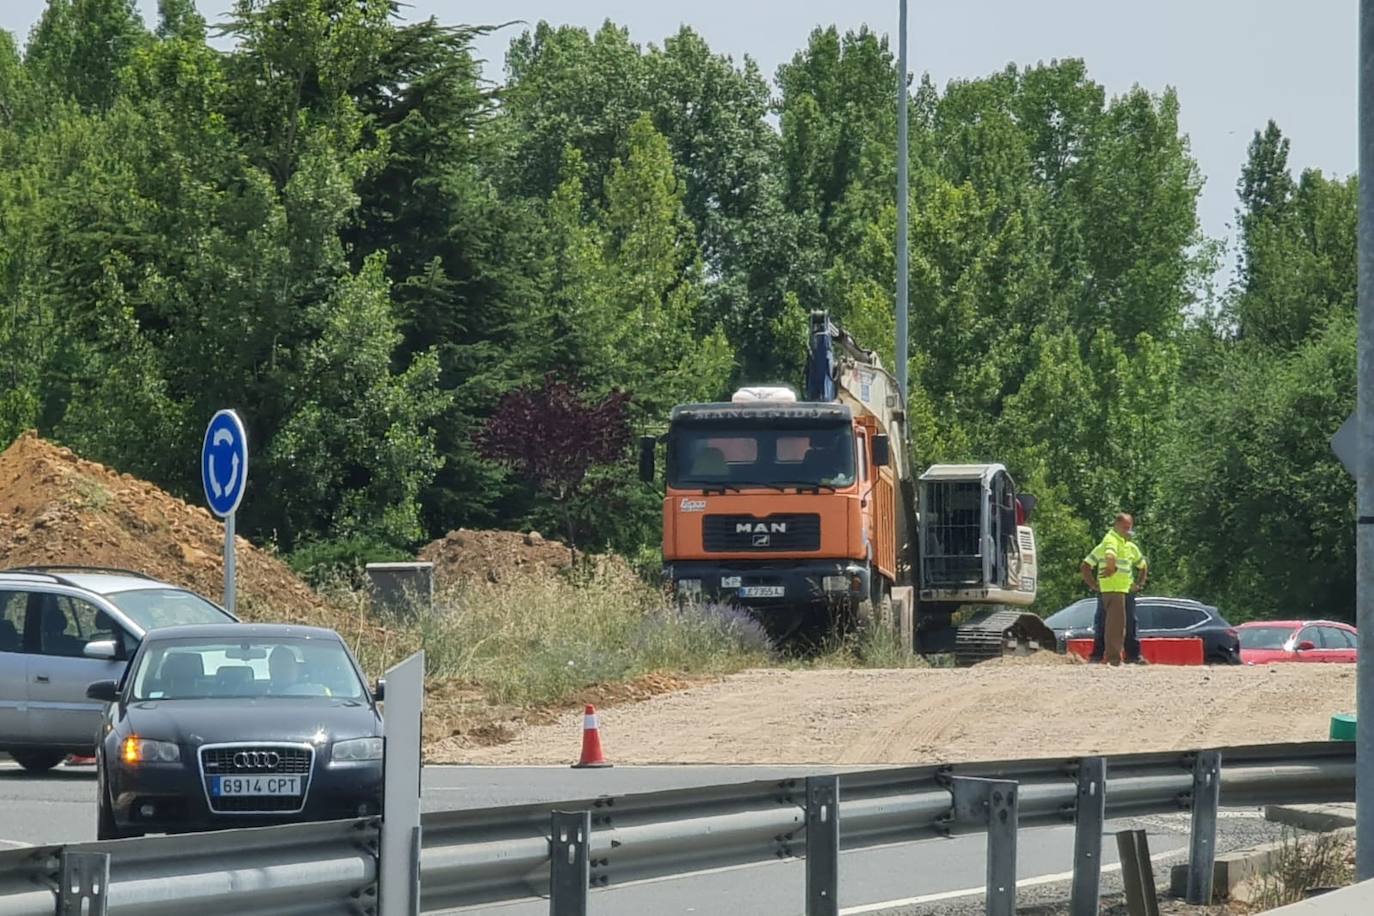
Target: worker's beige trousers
{"points": [[1114, 639]]}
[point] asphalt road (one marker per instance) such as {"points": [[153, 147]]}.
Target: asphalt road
{"points": [[941, 875]]}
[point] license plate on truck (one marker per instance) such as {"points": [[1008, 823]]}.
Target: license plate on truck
{"points": [[226, 786], [762, 591]]}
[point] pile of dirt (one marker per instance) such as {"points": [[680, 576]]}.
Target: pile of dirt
{"points": [[1034, 659], [466, 555], [56, 509]]}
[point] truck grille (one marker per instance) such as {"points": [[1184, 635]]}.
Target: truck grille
{"points": [[750, 534], [255, 760]]}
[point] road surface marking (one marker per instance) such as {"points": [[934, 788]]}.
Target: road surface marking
{"points": [[978, 891]]}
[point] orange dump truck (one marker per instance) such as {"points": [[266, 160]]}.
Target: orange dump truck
{"points": [[806, 512]]}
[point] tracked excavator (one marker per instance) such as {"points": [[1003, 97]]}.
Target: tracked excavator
{"points": [[807, 513]]}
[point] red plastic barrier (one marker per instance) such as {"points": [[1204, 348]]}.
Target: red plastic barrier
{"points": [[1081, 647], [1155, 650]]}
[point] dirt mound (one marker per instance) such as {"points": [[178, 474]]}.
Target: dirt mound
{"points": [[1033, 660], [499, 556], [56, 508]]}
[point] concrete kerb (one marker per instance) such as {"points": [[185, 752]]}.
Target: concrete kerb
{"points": [[1232, 872], [1316, 818]]}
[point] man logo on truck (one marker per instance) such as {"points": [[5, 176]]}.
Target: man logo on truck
{"points": [[761, 528]]}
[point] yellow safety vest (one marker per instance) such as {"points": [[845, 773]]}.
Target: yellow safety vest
{"points": [[1128, 560]]}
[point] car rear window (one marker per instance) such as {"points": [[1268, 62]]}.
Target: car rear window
{"points": [[152, 608], [1264, 637], [1076, 615], [1169, 617]]}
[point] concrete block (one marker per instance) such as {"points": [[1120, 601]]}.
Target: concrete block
{"points": [[1316, 818]]}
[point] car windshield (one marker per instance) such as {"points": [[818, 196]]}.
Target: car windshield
{"points": [[1075, 616], [1264, 637], [151, 608], [186, 669], [739, 455]]}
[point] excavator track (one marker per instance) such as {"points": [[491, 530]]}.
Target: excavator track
{"points": [[996, 632]]}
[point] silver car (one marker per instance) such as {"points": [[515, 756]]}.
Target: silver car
{"points": [[62, 629]]}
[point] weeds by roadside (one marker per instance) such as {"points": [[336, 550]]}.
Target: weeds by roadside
{"points": [[1303, 863], [541, 639]]}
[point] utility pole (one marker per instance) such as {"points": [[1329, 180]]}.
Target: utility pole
{"points": [[902, 271], [1364, 536]]}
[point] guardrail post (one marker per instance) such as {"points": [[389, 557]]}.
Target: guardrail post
{"points": [[399, 869], [570, 864], [1090, 812], [991, 803], [822, 846], [1137, 874], [85, 880], [1202, 851]]}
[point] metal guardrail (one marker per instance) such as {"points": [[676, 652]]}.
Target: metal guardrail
{"points": [[493, 855]]}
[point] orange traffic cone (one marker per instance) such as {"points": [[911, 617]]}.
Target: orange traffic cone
{"points": [[591, 742]]}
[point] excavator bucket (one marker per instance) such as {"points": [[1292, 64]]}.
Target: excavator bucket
{"points": [[996, 632]]}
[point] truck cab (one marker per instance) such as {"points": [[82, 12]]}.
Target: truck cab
{"points": [[777, 504]]}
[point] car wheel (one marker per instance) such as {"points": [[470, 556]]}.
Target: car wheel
{"points": [[38, 761], [105, 826]]}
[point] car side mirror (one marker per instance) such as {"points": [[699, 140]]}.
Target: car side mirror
{"points": [[1306, 644], [646, 458], [101, 648], [105, 691], [882, 451], [379, 692]]}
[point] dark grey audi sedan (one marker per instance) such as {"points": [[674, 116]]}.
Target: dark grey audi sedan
{"points": [[237, 725]]}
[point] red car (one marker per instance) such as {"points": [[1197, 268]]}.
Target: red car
{"points": [[1265, 641]]}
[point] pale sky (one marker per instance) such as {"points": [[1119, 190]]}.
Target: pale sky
{"points": [[1235, 63]]}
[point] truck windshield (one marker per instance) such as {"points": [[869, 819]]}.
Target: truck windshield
{"points": [[735, 455]]}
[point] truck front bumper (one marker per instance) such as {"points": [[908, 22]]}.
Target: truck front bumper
{"points": [[765, 585]]}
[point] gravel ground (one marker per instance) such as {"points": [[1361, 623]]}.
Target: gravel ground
{"points": [[1236, 829]]}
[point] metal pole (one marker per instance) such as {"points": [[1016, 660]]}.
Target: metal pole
{"points": [[1090, 812], [822, 845], [570, 863], [1364, 538], [229, 564], [902, 269], [1202, 853]]}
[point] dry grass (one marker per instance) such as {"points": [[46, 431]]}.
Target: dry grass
{"points": [[501, 656], [1323, 861]]}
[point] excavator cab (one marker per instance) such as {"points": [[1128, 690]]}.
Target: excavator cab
{"points": [[977, 548], [974, 541]]}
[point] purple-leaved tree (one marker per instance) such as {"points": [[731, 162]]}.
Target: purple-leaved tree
{"points": [[553, 436]]}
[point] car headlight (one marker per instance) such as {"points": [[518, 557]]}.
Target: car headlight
{"points": [[357, 749], [146, 750]]}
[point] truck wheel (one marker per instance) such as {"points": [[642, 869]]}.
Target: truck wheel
{"points": [[878, 614]]}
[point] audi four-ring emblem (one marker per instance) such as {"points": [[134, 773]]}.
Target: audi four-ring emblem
{"points": [[256, 760]]}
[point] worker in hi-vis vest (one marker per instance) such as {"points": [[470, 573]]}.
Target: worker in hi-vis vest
{"points": [[1110, 571]]}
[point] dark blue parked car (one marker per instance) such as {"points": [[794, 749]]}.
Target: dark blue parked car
{"points": [[1157, 617]]}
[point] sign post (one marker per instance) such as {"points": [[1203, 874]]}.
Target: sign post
{"points": [[224, 473]]}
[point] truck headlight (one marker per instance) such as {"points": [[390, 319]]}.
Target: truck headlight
{"points": [[357, 750], [835, 583], [689, 586]]}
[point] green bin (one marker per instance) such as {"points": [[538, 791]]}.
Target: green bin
{"points": [[1342, 727]]}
